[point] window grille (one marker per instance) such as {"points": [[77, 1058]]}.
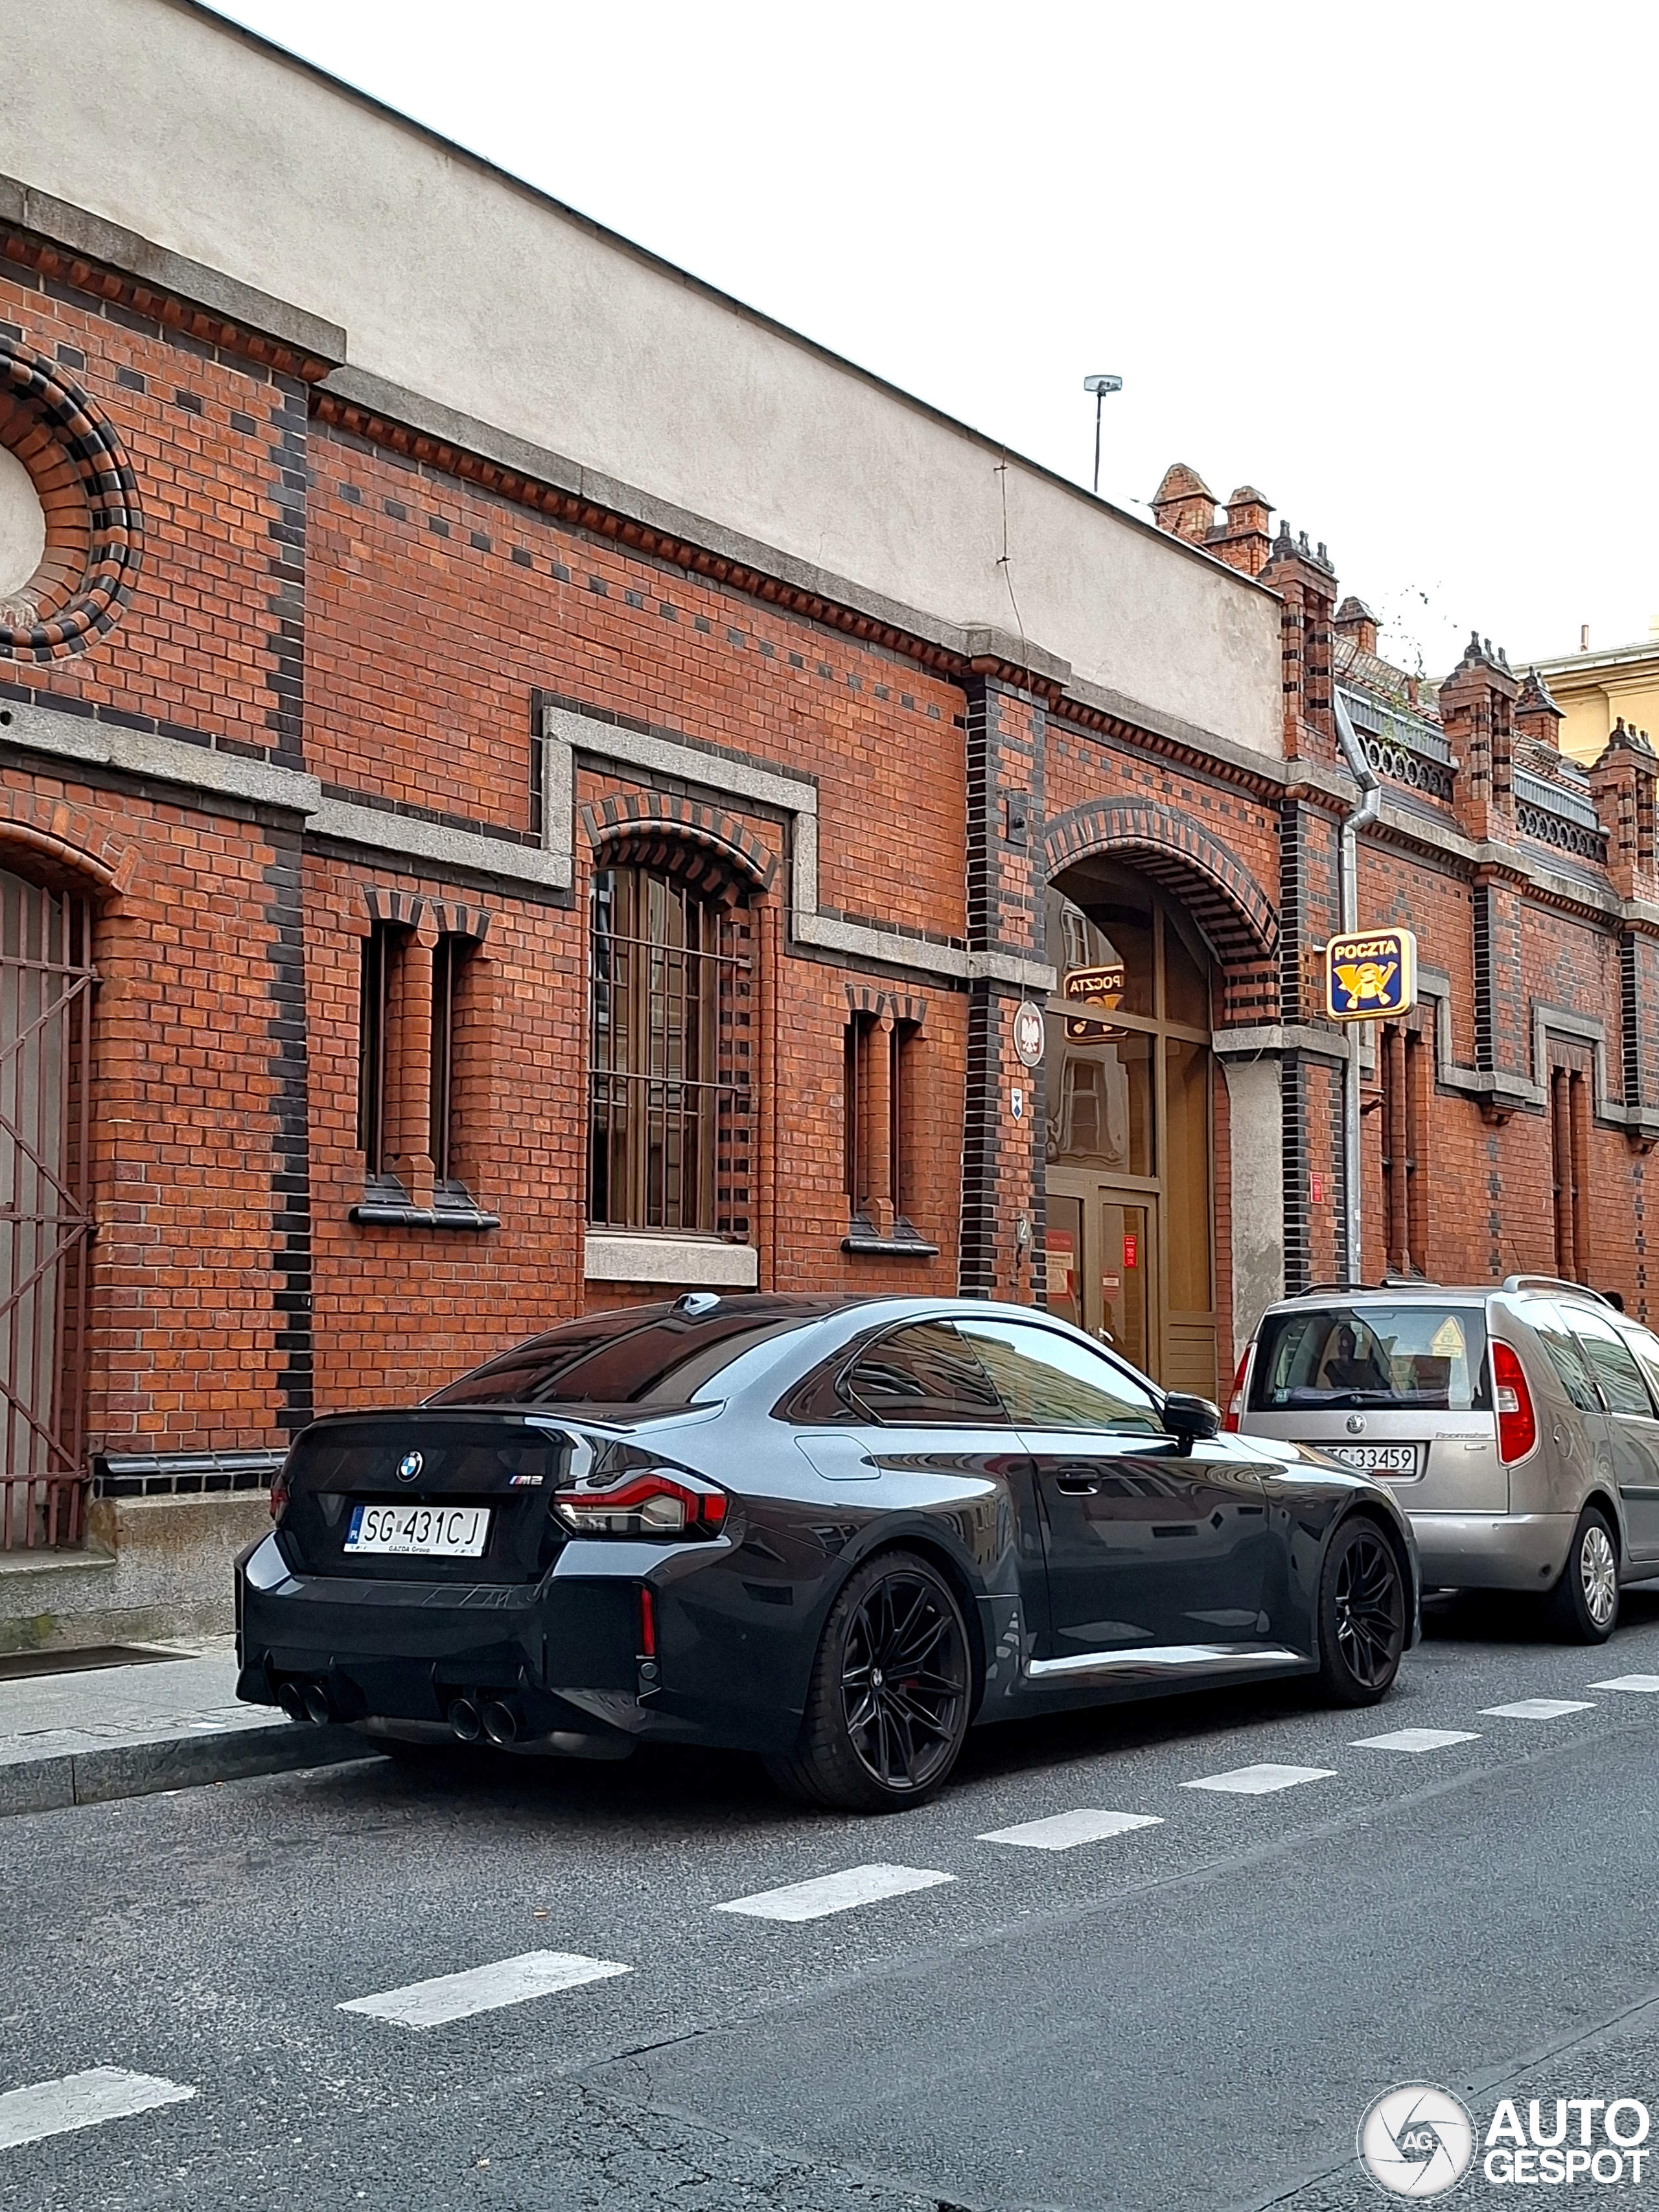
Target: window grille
{"points": [[669, 1056], [46, 979]]}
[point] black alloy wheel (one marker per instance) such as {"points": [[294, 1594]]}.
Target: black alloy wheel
{"points": [[888, 1705], [1362, 1616]]}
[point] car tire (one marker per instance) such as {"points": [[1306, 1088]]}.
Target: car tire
{"points": [[1363, 1603], [1583, 1606], [889, 1701]]}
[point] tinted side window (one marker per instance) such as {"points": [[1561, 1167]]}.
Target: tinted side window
{"points": [[924, 1375], [1614, 1363], [1646, 1348], [1048, 1381], [1565, 1354]]}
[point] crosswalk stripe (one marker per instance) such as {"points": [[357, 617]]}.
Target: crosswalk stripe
{"points": [[1416, 1739], [834, 1893], [484, 1989], [1539, 1709], [1063, 1832], [83, 2101], [1259, 1781], [1648, 1683]]}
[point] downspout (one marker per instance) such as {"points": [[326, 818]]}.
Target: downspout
{"points": [[1359, 817]]}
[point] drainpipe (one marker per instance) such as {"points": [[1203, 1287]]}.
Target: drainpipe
{"points": [[1359, 817]]}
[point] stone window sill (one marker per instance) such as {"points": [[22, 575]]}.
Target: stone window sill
{"points": [[685, 1263]]}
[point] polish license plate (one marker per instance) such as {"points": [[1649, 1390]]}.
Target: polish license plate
{"points": [[422, 1532], [1376, 1459]]}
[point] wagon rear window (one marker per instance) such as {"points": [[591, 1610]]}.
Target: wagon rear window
{"points": [[1434, 1357]]}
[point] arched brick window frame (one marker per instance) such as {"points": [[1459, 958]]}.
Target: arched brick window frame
{"points": [[673, 1016]]}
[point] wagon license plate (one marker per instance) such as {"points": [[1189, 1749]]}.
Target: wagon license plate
{"points": [[1376, 1459], [422, 1532]]}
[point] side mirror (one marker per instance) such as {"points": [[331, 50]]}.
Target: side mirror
{"points": [[1190, 1419]]}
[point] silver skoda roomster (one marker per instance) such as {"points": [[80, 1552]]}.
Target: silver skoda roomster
{"points": [[1519, 1427]]}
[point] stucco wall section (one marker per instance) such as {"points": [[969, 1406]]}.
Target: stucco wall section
{"points": [[460, 283]]}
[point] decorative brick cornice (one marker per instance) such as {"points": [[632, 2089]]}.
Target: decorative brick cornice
{"points": [[1225, 899], [170, 310], [654, 829], [1268, 781]]}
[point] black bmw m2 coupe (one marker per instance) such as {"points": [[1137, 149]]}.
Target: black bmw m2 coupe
{"points": [[835, 1531]]}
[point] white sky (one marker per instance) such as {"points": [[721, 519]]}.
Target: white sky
{"points": [[1395, 266]]}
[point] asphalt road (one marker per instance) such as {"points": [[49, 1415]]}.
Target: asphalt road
{"points": [[1188, 2016]]}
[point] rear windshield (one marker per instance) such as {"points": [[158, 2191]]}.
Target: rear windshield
{"points": [[662, 1359], [1408, 1355]]}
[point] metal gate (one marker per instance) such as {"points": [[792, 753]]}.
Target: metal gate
{"points": [[46, 979]]}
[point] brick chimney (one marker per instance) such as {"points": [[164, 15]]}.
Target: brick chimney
{"points": [[1306, 584], [1244, 540], [1537, 717], [1477, 704], [1356, 622], [1622, 784], [1184, 505]]}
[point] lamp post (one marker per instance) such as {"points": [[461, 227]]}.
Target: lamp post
{"points": [[1100, 385]]}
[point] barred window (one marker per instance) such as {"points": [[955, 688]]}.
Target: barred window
{"points": [[1570, 1119], [1403, 1057], [668, 1056]]}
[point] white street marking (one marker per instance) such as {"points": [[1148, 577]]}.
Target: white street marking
{"points": [[1062, 1831], [83, 2101], [834, 1893], [1540, 1709], [484, 1989], [1416, 1739], [1649, 1683], [1258, 1781]]}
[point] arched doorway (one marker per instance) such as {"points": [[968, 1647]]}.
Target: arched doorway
{"points": [[1130, 1148]]}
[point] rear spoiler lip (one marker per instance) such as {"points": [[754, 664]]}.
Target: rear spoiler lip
{"points": [[573, 1426]]}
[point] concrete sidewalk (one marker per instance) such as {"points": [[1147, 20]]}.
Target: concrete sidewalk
{"points": [[73, 1738]]}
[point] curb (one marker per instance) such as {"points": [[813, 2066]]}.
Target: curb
{"points": [[139, 1770]]}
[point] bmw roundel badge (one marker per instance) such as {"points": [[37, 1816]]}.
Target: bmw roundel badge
{"points": [[410, 1465]]}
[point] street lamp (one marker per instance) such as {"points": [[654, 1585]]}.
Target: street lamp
{"points": [[1100, 385]]}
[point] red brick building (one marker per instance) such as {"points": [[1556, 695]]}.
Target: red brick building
{"points": [[447, 882], [1507, 1120]]}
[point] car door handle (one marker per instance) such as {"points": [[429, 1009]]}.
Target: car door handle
{"points": [[1076, 1485]]}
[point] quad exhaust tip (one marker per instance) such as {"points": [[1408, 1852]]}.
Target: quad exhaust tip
{"points": [[499, 1722], [465, 1721], [317, 1707], [292, 1703]]}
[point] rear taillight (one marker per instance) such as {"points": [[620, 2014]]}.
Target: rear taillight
{"points": [[1517, 1424], [1235, 1402], [650, 1503], [279, 1493]]}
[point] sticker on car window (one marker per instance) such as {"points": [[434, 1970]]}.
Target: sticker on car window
{"points": [[1447, 1342]]}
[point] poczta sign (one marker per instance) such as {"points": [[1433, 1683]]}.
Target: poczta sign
{"points": [[1370, 975]]}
